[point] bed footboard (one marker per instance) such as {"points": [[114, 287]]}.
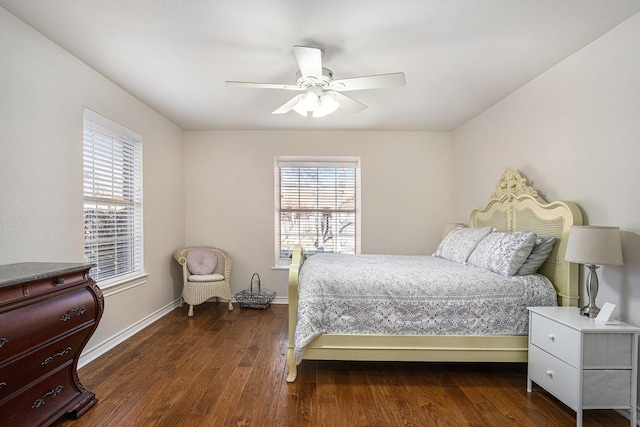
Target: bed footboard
{"points": [[294, 270]]}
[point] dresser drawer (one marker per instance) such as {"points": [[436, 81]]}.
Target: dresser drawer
{"points": [[606, 388], [41, 402], [554, 375], [40, 362], [556, 339], [55, 283], [27, 326]]}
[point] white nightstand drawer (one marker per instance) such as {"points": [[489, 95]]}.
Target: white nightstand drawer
{"points": [[556, 339], [606, 388], [607, 350], [555, 376]]}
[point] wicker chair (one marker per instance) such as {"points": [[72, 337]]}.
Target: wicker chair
{"points": [[199, 288]]}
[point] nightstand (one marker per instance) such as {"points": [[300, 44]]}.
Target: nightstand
{"points": [[583, 363]]}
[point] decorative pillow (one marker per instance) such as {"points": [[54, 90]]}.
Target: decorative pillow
{"points": [[541, 250], [205, 277], [201, 260], [503, 253], [460, 242]]}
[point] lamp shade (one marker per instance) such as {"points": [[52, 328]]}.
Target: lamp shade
{"points": [[590, 244]]}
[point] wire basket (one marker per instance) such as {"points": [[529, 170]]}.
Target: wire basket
{"points": [[255, 297]]}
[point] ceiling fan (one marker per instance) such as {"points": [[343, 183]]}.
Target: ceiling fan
{"points": [[321, 94]]}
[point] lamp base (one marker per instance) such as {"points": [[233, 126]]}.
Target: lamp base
{"points": [[590, 311]]}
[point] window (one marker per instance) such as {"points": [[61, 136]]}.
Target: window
{"points": [[317, 206], [112, 199]]}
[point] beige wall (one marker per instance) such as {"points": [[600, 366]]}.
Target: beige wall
{"points": [[575, 133], [406, 191], [43, 90]]}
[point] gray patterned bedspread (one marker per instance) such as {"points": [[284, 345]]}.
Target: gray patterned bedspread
{"points": [[411, 295]]}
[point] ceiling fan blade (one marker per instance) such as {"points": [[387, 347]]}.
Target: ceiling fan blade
{"points": [[346, 103], [309, 60], [288, 106], [262, 85], [369, 82]]}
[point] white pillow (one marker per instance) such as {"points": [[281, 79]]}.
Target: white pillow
{"points": [[503, 253], [215, 277], [460, 242], [541, 250]]}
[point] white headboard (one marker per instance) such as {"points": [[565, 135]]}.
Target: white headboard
{"points": [[516, 206]]}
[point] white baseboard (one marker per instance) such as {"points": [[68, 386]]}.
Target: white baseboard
{"points": [[280, 300], [97, 351]]}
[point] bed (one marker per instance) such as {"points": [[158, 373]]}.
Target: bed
{"points": [[372, 333]]}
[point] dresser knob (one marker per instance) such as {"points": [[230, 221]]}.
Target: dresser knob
{"points": [[552, 337], [550, 373], [60, 281]]}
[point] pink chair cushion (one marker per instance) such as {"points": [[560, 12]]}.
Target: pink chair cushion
{"points": [[201, 260]]}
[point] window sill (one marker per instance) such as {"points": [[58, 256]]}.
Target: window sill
{"points": [[282, 264], [122, 283]]}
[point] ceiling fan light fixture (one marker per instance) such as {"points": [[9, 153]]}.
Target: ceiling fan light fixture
{"points": [[311, 100], [327, 105], [300, 108]]}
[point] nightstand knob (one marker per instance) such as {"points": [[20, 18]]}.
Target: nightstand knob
{"points": [[549, 373], [552, 337]]}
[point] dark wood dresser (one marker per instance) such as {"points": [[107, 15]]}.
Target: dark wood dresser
{"points": [[48, 312]]}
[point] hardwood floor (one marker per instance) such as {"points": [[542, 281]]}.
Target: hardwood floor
{"points": [[222, 368]]}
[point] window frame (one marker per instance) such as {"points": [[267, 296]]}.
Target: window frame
{"points": [[314, 162], [102, 139]]}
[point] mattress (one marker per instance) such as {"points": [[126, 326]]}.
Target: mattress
{"points": [[411, 295]]}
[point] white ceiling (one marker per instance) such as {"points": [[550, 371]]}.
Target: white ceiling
{"points": [[459, 56]]}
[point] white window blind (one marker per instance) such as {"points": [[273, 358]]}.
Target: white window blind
{"points": [[112, 198], [317, 206]]}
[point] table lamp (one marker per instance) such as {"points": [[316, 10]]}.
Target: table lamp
{"points": [[593, 246]]}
